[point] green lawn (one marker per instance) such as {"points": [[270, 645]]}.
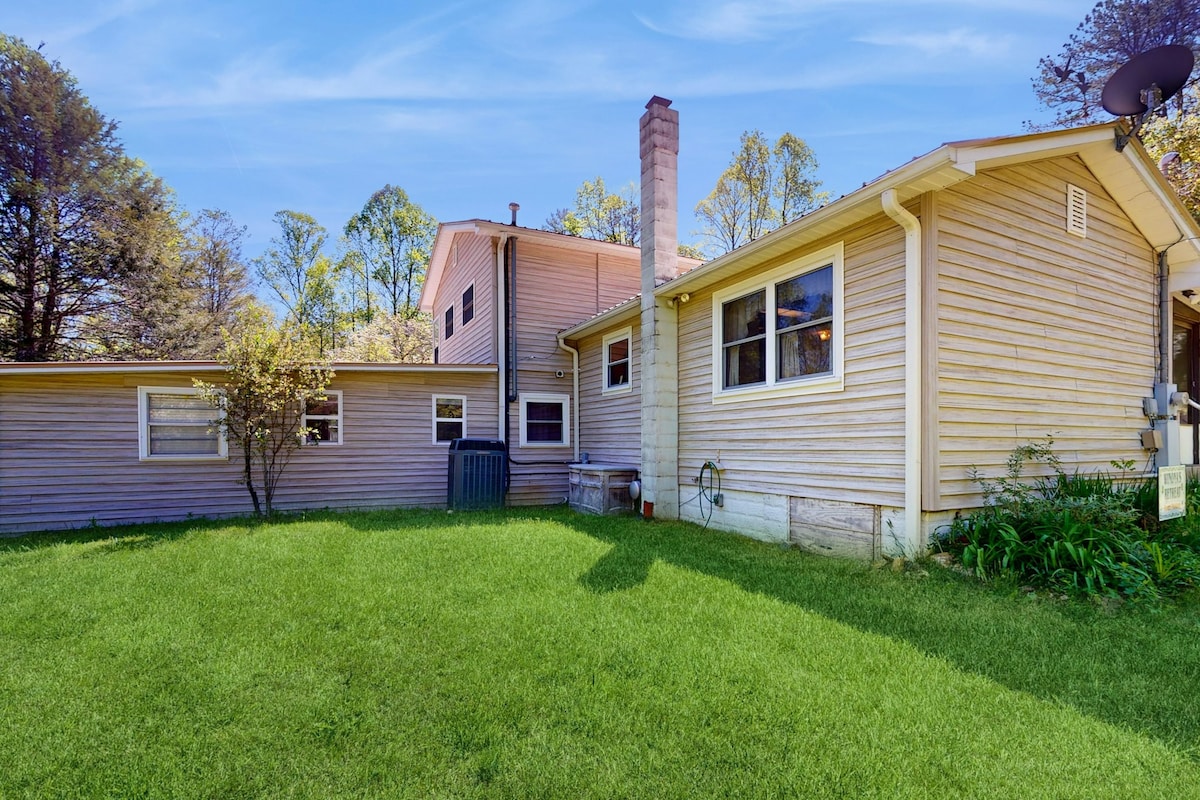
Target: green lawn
{"points": [[539, 653]]}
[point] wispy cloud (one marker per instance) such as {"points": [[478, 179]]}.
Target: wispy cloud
{"points": [[936, 44]]}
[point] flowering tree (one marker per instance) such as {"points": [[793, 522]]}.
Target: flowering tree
{"points": [[268, 383]]}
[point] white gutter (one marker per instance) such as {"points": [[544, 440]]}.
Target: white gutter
{"points": [[501, 341], [915, 537], [574, 394]]}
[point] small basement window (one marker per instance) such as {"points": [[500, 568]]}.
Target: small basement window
{"points": [[323, 419], [177, 424]]}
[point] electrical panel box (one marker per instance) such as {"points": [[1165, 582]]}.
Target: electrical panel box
{"points": [[1152, 439]]}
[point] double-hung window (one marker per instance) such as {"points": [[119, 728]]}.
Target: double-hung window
{"points": [[322, 419], [449, 322], [781, 333], [177, 424], [449, 418], [545, 419], [468, 304], [618, 372]]}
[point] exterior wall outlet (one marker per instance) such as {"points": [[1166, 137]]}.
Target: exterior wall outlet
{"points": [[719, 500]]}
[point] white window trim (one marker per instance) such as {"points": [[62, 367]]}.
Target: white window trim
{"points": [[338, 416], [616, 336], [436, 419], [831, 382], [144, 393], [545, 397]]}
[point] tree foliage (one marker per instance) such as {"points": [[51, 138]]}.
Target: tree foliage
{"points": [[218, 272], [77, 216], [390, 338], [1112, 33], [392, 239], [304, 279], [600, 214], [763, 187], [268, 381], [1175, 140]]}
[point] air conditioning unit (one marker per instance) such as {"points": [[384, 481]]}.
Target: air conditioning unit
{"points": [[477, 477]]}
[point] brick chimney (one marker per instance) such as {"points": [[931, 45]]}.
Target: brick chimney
{"points": [[659, 140]]}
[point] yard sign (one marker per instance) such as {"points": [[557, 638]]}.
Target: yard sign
{"points": [[1172, 492]]}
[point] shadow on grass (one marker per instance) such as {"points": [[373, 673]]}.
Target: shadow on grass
{"points": [[1136, 668], [117, 538]]}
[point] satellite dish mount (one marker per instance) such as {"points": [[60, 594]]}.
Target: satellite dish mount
{"points": [[1142, 86]]}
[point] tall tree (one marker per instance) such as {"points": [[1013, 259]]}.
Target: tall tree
{"points": [[393, 237], [763, 187], [290, 263], [600, 214], [1113, 32], [68, 194], [153, 313], [215, 266], [268, 382]]}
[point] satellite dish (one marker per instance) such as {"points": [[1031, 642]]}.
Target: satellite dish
{"points": [[1140, 87]]}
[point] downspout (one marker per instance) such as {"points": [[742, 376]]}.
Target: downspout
{"points": [[913, 533], [574, 396], [501, 342], [514, 389]]}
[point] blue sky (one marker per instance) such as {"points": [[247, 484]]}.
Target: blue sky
{"points": [[253, 107]]}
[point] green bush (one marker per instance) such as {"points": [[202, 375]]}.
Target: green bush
{"points": [[1079, 534]]}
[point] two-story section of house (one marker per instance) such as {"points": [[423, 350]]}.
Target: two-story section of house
{"points": [[499, 294]]}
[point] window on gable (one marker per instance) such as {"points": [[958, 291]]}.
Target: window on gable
{"points": [[617, 364], [449, 322], [449, 418], [176, 423], [780, 333], [545, 419], [322, 419], [468, 304]]}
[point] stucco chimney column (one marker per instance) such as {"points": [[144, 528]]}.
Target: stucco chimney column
{"points": [[659, 146]]}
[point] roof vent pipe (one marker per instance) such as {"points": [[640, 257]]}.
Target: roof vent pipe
{"points": [[514, 208]]}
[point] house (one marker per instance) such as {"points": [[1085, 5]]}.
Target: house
{"points": [[499, 294], [106, 443], [832, 384], [78, 439], [842, 376]]}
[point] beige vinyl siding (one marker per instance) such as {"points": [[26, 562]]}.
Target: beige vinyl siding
{"points": [[473, 261], [556, 287], [1039, 331], [610, 424], [840, 445], [70, 445]]}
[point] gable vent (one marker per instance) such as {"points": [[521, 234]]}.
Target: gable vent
{"points": [[1076, 211]]}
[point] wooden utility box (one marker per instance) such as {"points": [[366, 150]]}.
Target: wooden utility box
{"points": [[601, 488]]}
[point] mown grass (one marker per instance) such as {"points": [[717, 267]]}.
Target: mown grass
{"points": [[537, 653]]}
